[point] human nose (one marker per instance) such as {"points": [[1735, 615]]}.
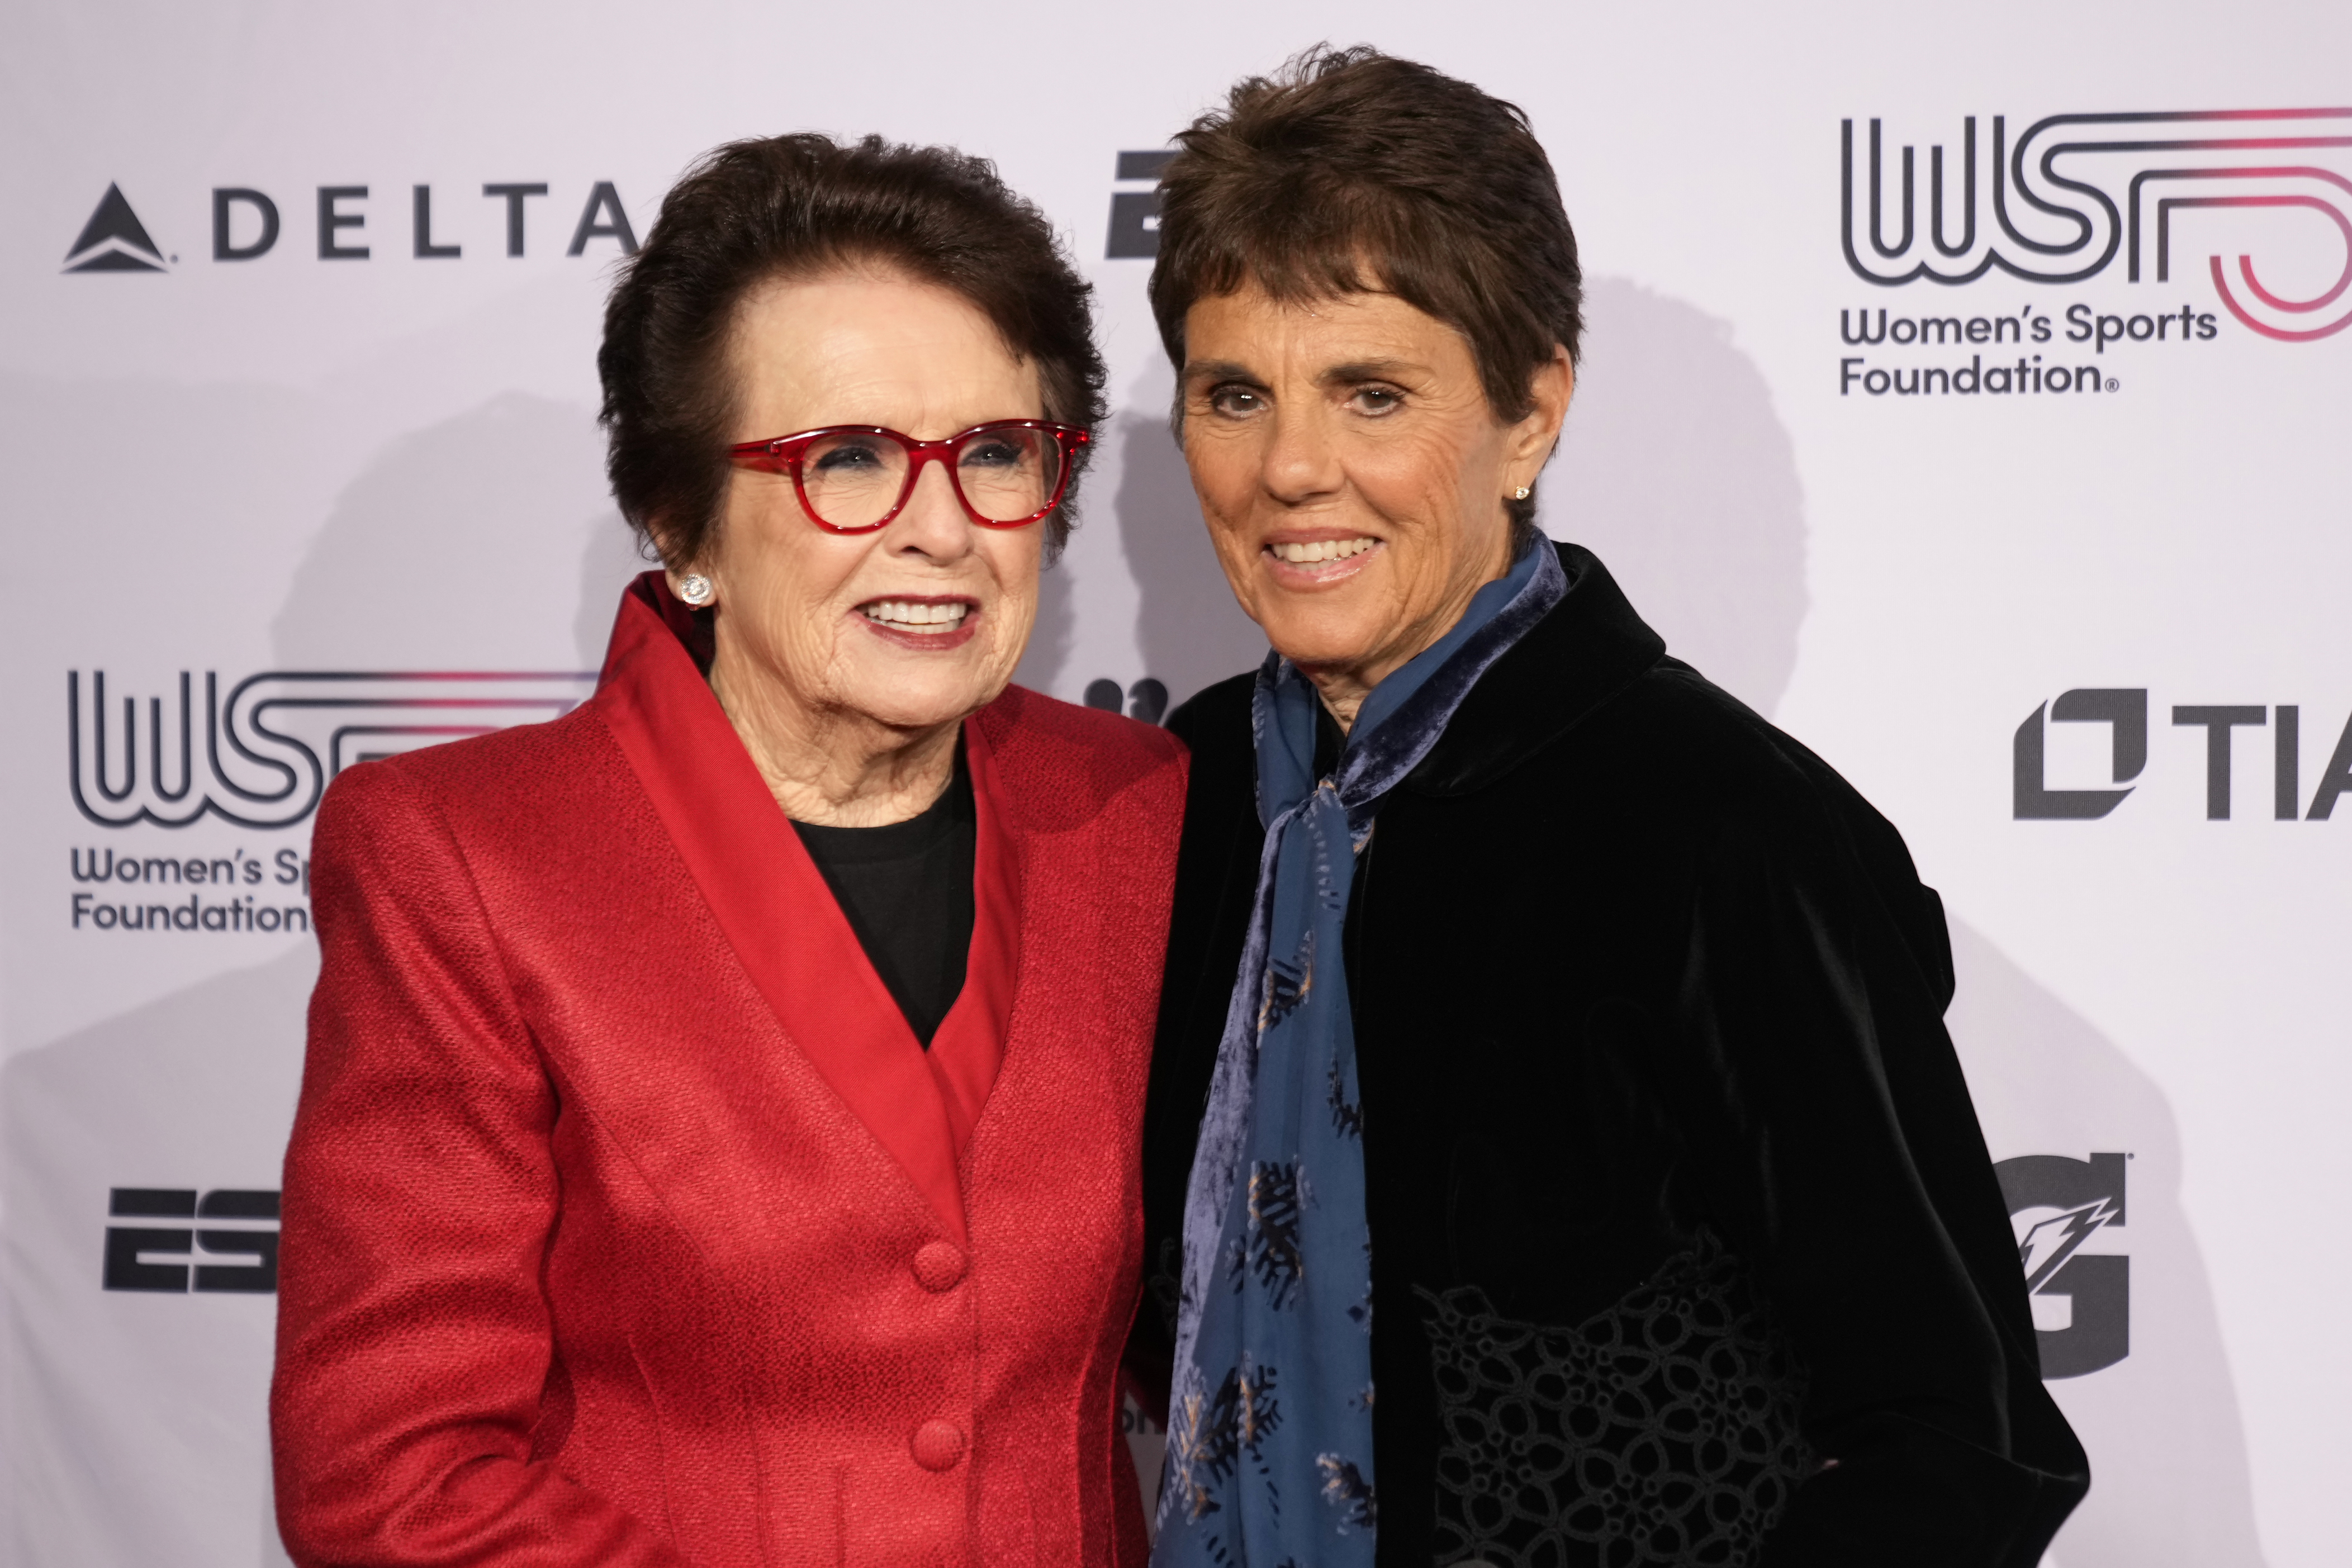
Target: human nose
{"points": [[933, 522], [1300, 461]]}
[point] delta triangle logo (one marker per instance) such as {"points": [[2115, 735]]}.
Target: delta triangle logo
{"points": [[114, 240]]}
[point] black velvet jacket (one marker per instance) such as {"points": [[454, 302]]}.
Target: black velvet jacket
{"points": [[1686, 1246]]}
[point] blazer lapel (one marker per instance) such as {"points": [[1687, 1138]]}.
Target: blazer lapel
{"points": [[783, 921], [969, 1048]]}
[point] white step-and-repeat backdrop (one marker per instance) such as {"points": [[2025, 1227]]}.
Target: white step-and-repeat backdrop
{"points": [[1965, 390]]}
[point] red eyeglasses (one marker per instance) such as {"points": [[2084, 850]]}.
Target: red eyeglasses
{"points": [[853, 478]]}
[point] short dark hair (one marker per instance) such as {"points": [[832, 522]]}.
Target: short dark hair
{"points": [[785, 206], [1351, 171]]}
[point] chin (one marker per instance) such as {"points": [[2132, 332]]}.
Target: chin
{"points": [[921, 701], [901, 710], [1323, 638]]}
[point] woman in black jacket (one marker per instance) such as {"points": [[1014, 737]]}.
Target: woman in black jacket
{"points": [[1555, 1154]]}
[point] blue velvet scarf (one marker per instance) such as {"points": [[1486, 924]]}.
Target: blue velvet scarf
{"points": [[1270, 1419]]}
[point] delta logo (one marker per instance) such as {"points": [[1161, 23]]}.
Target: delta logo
{"points": [[247, 223], [114, 240]]}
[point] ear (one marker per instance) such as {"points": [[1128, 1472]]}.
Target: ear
{"points": [[1534, 437]]}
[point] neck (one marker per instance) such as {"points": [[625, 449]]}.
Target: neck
{"points": [[829, 766], [1343, 692]]}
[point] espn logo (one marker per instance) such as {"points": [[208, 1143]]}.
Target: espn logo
{"points": [[227, 1242]]}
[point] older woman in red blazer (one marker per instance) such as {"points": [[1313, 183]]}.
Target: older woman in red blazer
{"points": [[718, 1144]]}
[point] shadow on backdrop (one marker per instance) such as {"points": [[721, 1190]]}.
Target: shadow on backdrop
{"points": [[194, 1091], [464, 543], [1056, 629], [1676, 472], [484, 541], [610, 562], [2171, 1487], [1187, 628]]}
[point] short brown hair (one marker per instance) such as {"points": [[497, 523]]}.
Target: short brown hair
{"points": [[1350, 171], [783, 206]]}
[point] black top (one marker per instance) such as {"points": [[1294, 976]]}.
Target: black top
{"points": [[1676, 1190], [907, 890]]}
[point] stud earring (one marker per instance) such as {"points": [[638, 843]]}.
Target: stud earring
{"points": [[1520, 494], [695, 589]]}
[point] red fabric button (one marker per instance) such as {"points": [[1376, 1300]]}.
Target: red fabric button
{"points": [[938, 1445], [940, 1266]]}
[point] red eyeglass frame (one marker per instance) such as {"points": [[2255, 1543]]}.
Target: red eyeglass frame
{"points": [[783, 455]]}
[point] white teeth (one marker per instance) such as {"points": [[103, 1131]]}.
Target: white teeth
{"points": [[900, 615], [1321, 550]]}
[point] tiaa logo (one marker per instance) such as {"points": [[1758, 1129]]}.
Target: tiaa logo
{"points": [[2196, 192], [261, 754]]}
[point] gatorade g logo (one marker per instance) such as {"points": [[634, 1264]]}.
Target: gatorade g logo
{"points": [[2081, 1301]]}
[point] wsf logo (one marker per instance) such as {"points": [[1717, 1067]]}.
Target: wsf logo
{"points": [[2075, 192], [261, 755]]}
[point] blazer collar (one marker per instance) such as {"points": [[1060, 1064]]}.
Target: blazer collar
{"points": [[1591, 646], [782, 919]]}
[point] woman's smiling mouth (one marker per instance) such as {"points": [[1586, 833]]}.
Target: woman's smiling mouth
{"points": [[1319, 562], [1308, 553], [922, 622]]}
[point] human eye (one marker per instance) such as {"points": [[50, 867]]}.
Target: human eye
{"points": [[848, 455], [993, 452], [1375, 399], [1236, 401]]}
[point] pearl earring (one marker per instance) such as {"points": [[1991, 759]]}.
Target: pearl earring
{"points": [[696, 590], [1520, 494]]}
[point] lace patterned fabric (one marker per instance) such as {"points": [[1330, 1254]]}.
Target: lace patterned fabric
{"points": [[1663, 1430]]}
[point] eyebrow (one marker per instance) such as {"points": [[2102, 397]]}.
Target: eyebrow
{"points": [[1366, 370], [1219, 370], [1337, 375]]}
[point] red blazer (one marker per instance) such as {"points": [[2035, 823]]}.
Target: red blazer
{"points": [[626, 1223]]}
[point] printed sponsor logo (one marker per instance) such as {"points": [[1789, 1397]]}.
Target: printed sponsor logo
{"points": [[2076, 192], [1147, 699], [2079, 326], [1135, 214], [2124, 711], [114, 240], [142, 891], [247, 223], [2082, 1298], [261, 754], [223, 1241], [2255, 204]]}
